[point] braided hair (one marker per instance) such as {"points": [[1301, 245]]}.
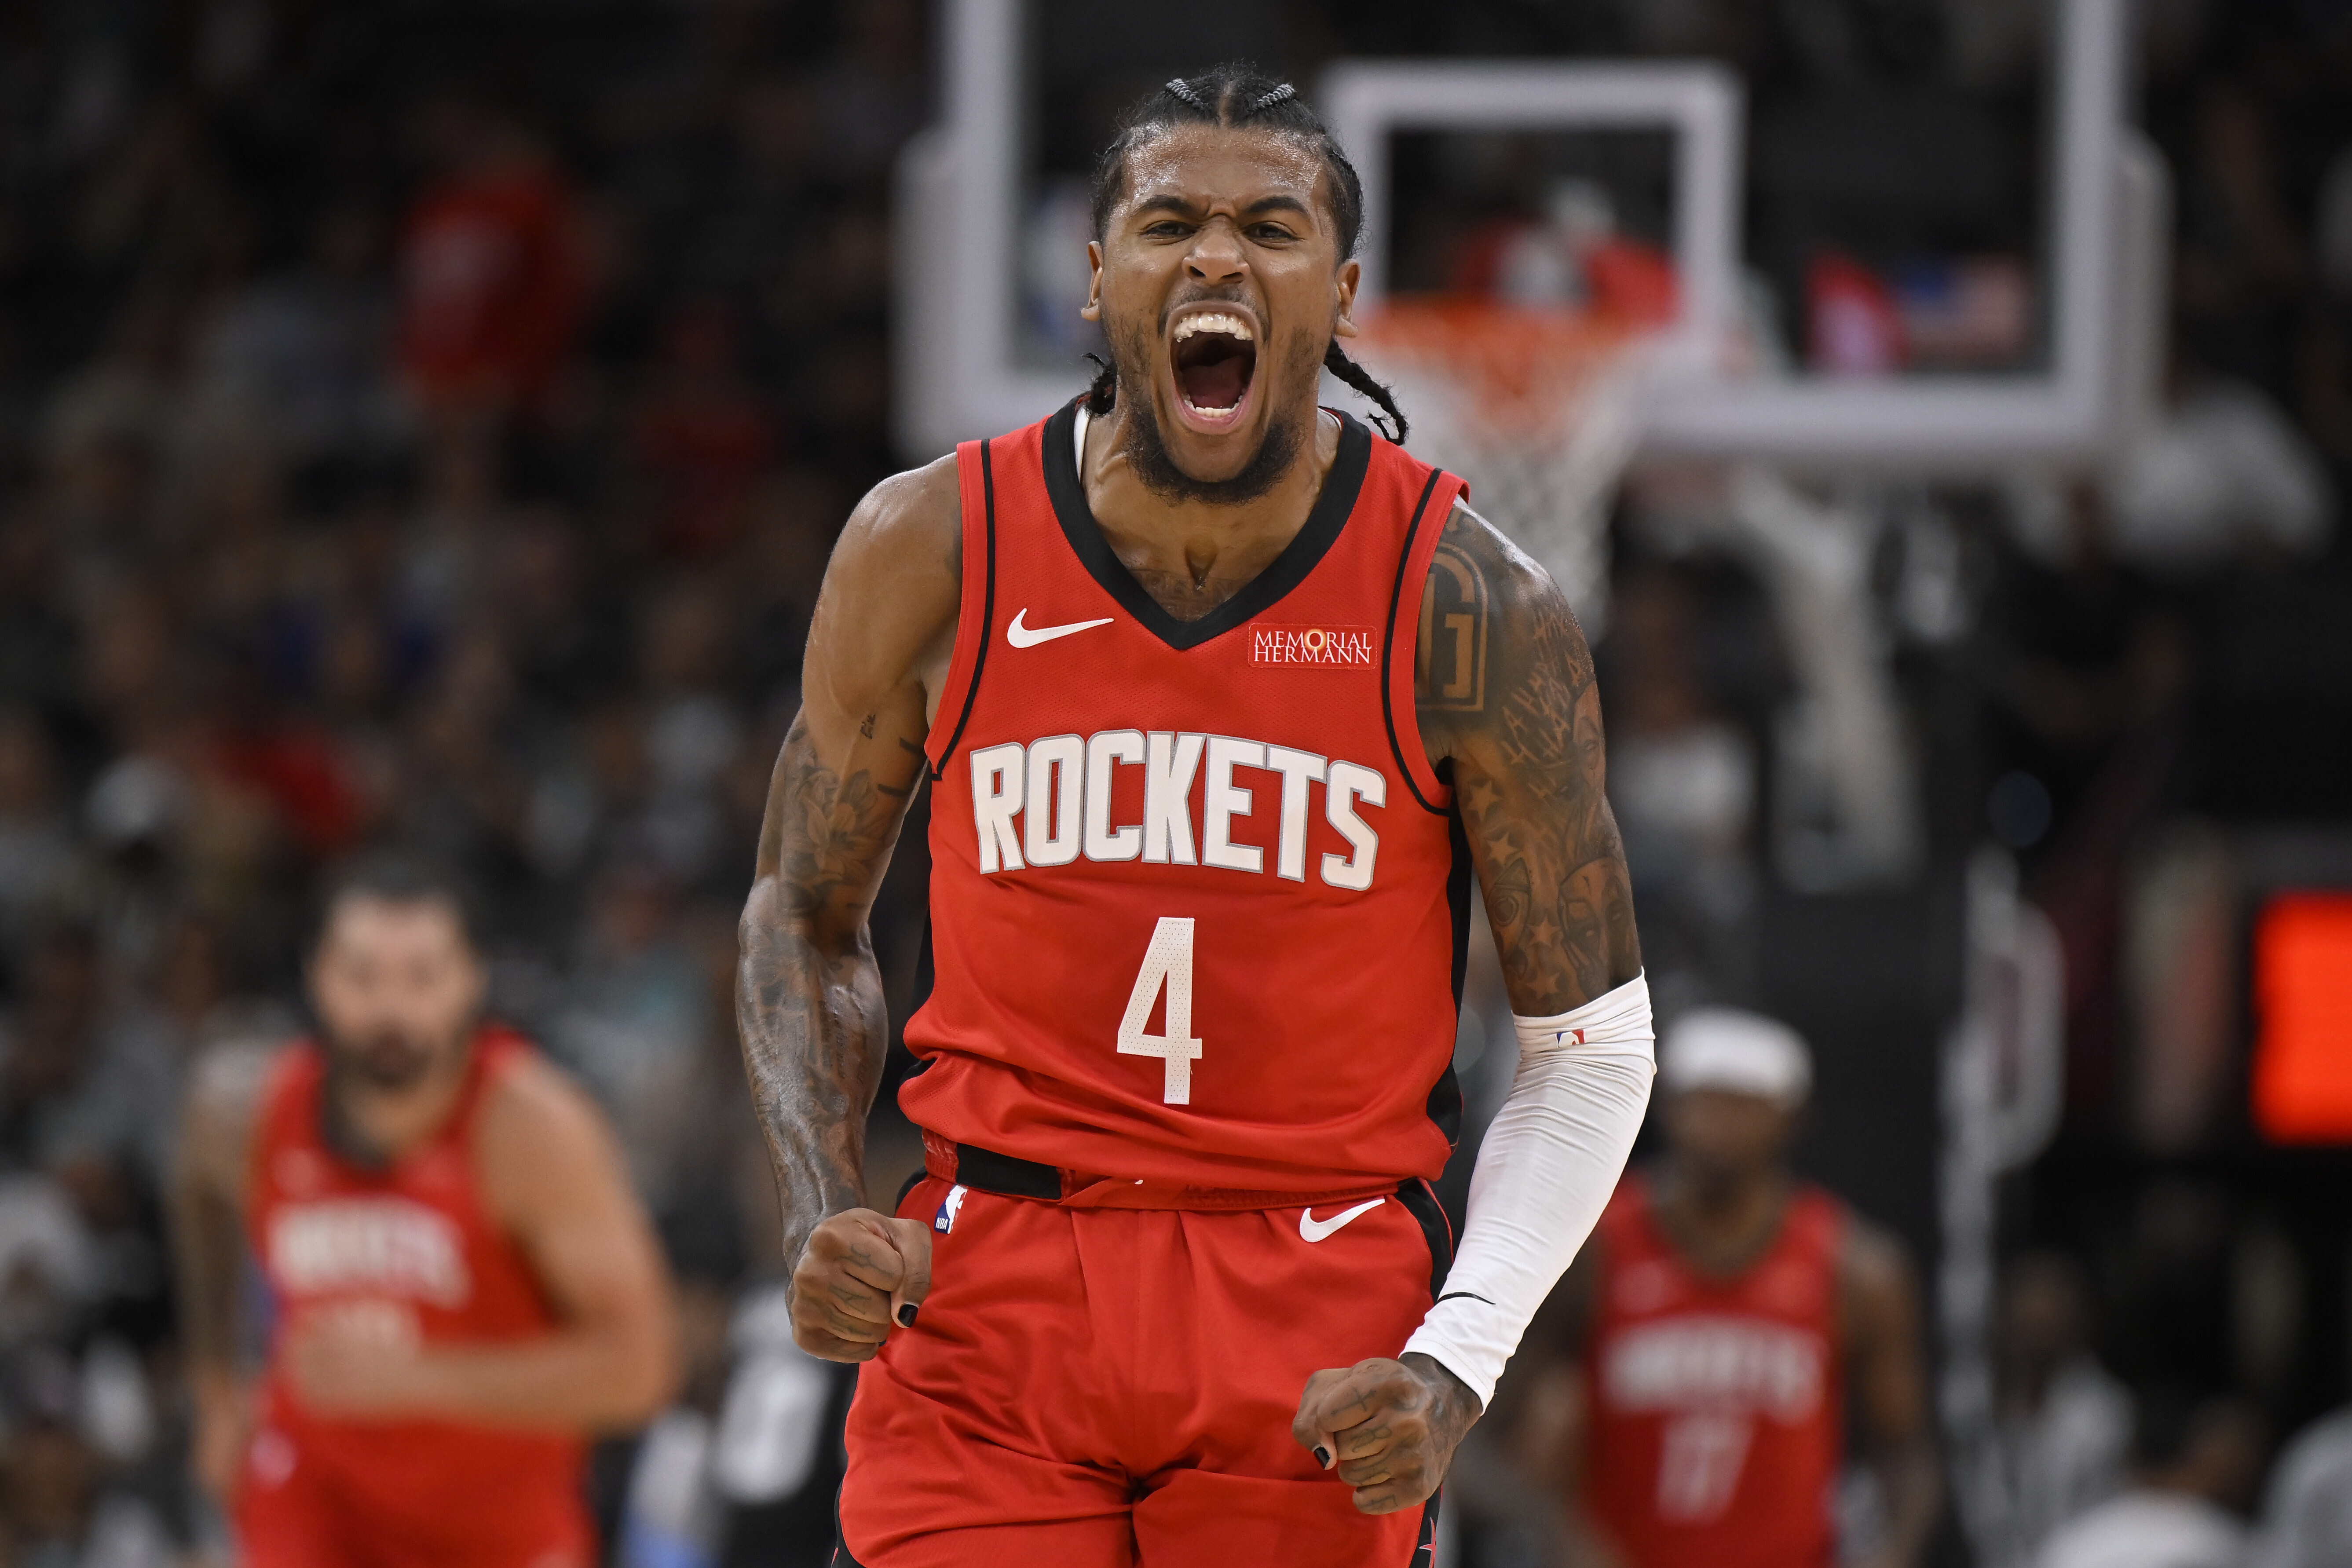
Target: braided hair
{"points": [[1238, 95]]}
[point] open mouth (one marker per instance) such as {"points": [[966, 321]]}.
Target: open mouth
{"points": [[1214, 356]]}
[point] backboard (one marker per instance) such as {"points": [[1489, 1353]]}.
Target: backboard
{"points": [[992, 236]]}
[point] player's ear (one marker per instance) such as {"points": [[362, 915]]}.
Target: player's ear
{"points": [[1343, 293], [1092, 310]]}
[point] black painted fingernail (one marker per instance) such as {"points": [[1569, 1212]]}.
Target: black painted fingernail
{"points": [[906, 1314], [1323, 1456]]}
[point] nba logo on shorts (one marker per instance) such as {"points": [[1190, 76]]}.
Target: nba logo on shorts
{"points": [[944, 1221]]}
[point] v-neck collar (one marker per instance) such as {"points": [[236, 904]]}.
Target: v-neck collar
{"points": [[1286, 571]]}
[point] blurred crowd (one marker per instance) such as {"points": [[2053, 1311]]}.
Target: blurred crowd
{"points": [[427, 423], [420, 423]]}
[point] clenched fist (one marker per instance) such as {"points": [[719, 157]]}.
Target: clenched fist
{"points": [[859, 1273], [1387, 1428]]}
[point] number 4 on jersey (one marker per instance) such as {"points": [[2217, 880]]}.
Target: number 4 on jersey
{"points": [[1167, 962]]}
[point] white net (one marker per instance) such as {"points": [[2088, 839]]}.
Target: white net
{"points": [[1539, 410]]}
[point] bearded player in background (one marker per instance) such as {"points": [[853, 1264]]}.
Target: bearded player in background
{"points": [[464, 1285], [1223, 698]]}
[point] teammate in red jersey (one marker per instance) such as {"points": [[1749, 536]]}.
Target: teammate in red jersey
{"points": [[1222, 698], [463, 1284], [1717, 1330]]}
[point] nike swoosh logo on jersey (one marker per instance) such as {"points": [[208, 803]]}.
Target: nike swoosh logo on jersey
{"points": [[1313, 1230], [1019, 636]]}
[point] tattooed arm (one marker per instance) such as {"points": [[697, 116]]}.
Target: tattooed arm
{"points": [[1504, 686], [808, 998], [1504, 689]]}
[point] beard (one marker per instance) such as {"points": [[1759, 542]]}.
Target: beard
{"points": [[1146, 445], [387, 1060]]}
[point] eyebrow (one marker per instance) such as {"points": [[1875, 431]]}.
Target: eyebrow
{"points": [[1184, 206]]}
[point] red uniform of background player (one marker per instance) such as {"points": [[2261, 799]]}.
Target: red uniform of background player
{"points": [[463, 1286], [1692, 1413], [1221, 698]]}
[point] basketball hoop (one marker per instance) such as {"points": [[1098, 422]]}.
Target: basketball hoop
{"points": [[1538, 408]]}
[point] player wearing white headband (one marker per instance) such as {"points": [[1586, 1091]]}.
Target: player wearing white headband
{"points": [[1697, 1366]]}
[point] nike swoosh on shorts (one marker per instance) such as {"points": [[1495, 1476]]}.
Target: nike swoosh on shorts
{"points": [[1019, 636], [1313, 1230]]}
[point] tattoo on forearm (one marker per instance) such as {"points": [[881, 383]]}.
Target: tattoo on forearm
{"points": [[808, 996], [1504, 690]]}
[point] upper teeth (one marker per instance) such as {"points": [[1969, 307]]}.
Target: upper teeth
{"points": [[1214, 321]]}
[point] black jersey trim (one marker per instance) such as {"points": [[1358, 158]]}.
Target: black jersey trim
{"points": [[1305, 550], [1424, 1552], [841, 1554], [987, 611], [1430, 1214], [1388, 653], [1444, 1102]]}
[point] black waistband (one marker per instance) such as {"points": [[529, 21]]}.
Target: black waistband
{"points": [[993, 1172]]}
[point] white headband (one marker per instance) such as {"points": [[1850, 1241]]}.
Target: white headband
{"points": [[1747, 1053]]}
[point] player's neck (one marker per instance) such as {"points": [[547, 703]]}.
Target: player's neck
{"points": [[371, 1125], [1191, 556], [1722, 1221]]}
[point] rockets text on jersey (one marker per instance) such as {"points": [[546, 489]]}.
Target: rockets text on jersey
{"points": [[1047, 803], [1197, 892]]}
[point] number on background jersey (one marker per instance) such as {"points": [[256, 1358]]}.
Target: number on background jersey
{"points": [[1167, 962], [1699, 1463]]}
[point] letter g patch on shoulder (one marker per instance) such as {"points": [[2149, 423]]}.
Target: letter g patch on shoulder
{"points": [[950, 1206]]}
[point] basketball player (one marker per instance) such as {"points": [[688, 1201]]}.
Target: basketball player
{"points": [[1223, 697], [1720, 1324], [463, 1284]]}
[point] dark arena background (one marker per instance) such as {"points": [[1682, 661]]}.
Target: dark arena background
{"points": [[424, 424]]}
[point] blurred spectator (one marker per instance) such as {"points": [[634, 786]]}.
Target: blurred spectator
{"points": [[301, 352], [492, 280], [2242, 260], [701, 434], [194, 1002], [2063, 1425], [2307, 1511], [691, 727], [37, 845], [37, 653], [2195, 1464], [85, 1094], [640, 1012]]}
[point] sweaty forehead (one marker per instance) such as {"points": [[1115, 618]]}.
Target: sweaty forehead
{"points": [[1213, 165]]}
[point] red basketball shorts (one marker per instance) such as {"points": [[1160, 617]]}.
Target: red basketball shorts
{"points": [[1101, 1388]]}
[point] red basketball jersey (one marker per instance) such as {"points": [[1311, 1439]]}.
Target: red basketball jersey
{"points": [[1197, 896], [411, 1250], [1717, 1401]]}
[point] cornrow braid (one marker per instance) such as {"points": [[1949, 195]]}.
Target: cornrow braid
{"points": [[1336, 360], [1233, 95]]}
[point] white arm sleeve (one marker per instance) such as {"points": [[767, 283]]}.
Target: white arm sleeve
{"points": [[1545, 1173]]}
